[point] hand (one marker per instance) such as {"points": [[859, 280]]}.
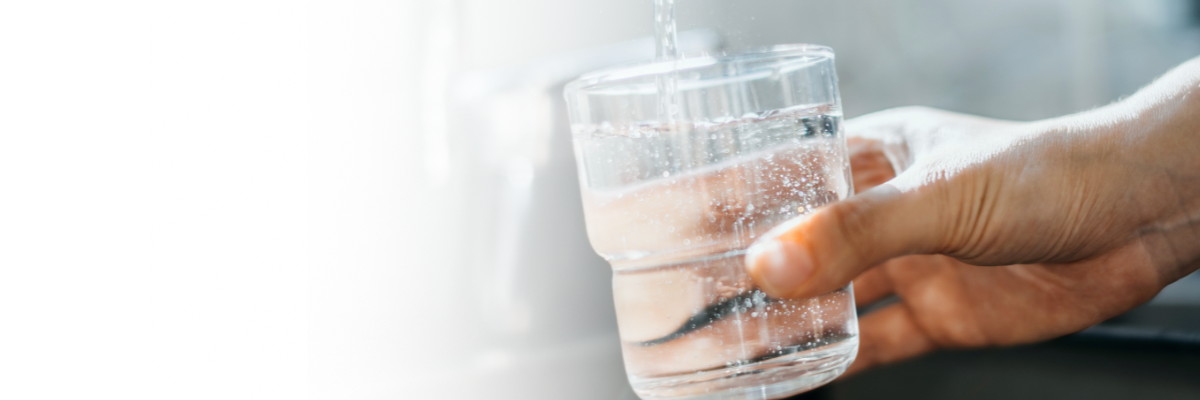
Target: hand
{"points": [[1081, 218]]}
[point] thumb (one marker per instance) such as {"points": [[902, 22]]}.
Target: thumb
{"points": [[821, 252]]}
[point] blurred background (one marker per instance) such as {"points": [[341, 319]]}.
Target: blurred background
{"points": [[377, 199]]}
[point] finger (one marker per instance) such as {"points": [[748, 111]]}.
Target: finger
{"points": [[868, 163], [821, 252], [889, 335], [890, 132], [872, 286]]}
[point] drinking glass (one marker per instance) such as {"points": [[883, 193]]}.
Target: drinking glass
{"points": [[683, 164]]}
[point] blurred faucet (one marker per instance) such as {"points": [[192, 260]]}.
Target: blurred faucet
{"points": [[538, 299]]}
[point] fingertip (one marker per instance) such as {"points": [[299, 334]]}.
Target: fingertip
{"points": [[855, 367], [779, 267]]}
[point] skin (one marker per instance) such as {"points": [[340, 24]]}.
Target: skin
{"points": [[995, 233]]}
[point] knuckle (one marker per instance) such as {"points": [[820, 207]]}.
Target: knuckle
{"points": [[956, 219], [851, 222]]}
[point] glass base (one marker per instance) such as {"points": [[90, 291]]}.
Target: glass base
{"points": [[769, 379]]}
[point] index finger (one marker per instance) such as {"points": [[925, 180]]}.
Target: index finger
{"points": [[869, 165], [889, 335]]}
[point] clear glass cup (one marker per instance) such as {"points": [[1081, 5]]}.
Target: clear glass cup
{"points": [[674, 197]]}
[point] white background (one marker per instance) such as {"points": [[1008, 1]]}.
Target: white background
{"points": [[241, 199], [174, 176], [236, 199], [155, 198]]}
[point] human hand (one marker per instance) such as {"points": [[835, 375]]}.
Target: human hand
{"points": [[1082, 217]]}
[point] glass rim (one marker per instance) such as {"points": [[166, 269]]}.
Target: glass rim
{"points": [[614, 74]]}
